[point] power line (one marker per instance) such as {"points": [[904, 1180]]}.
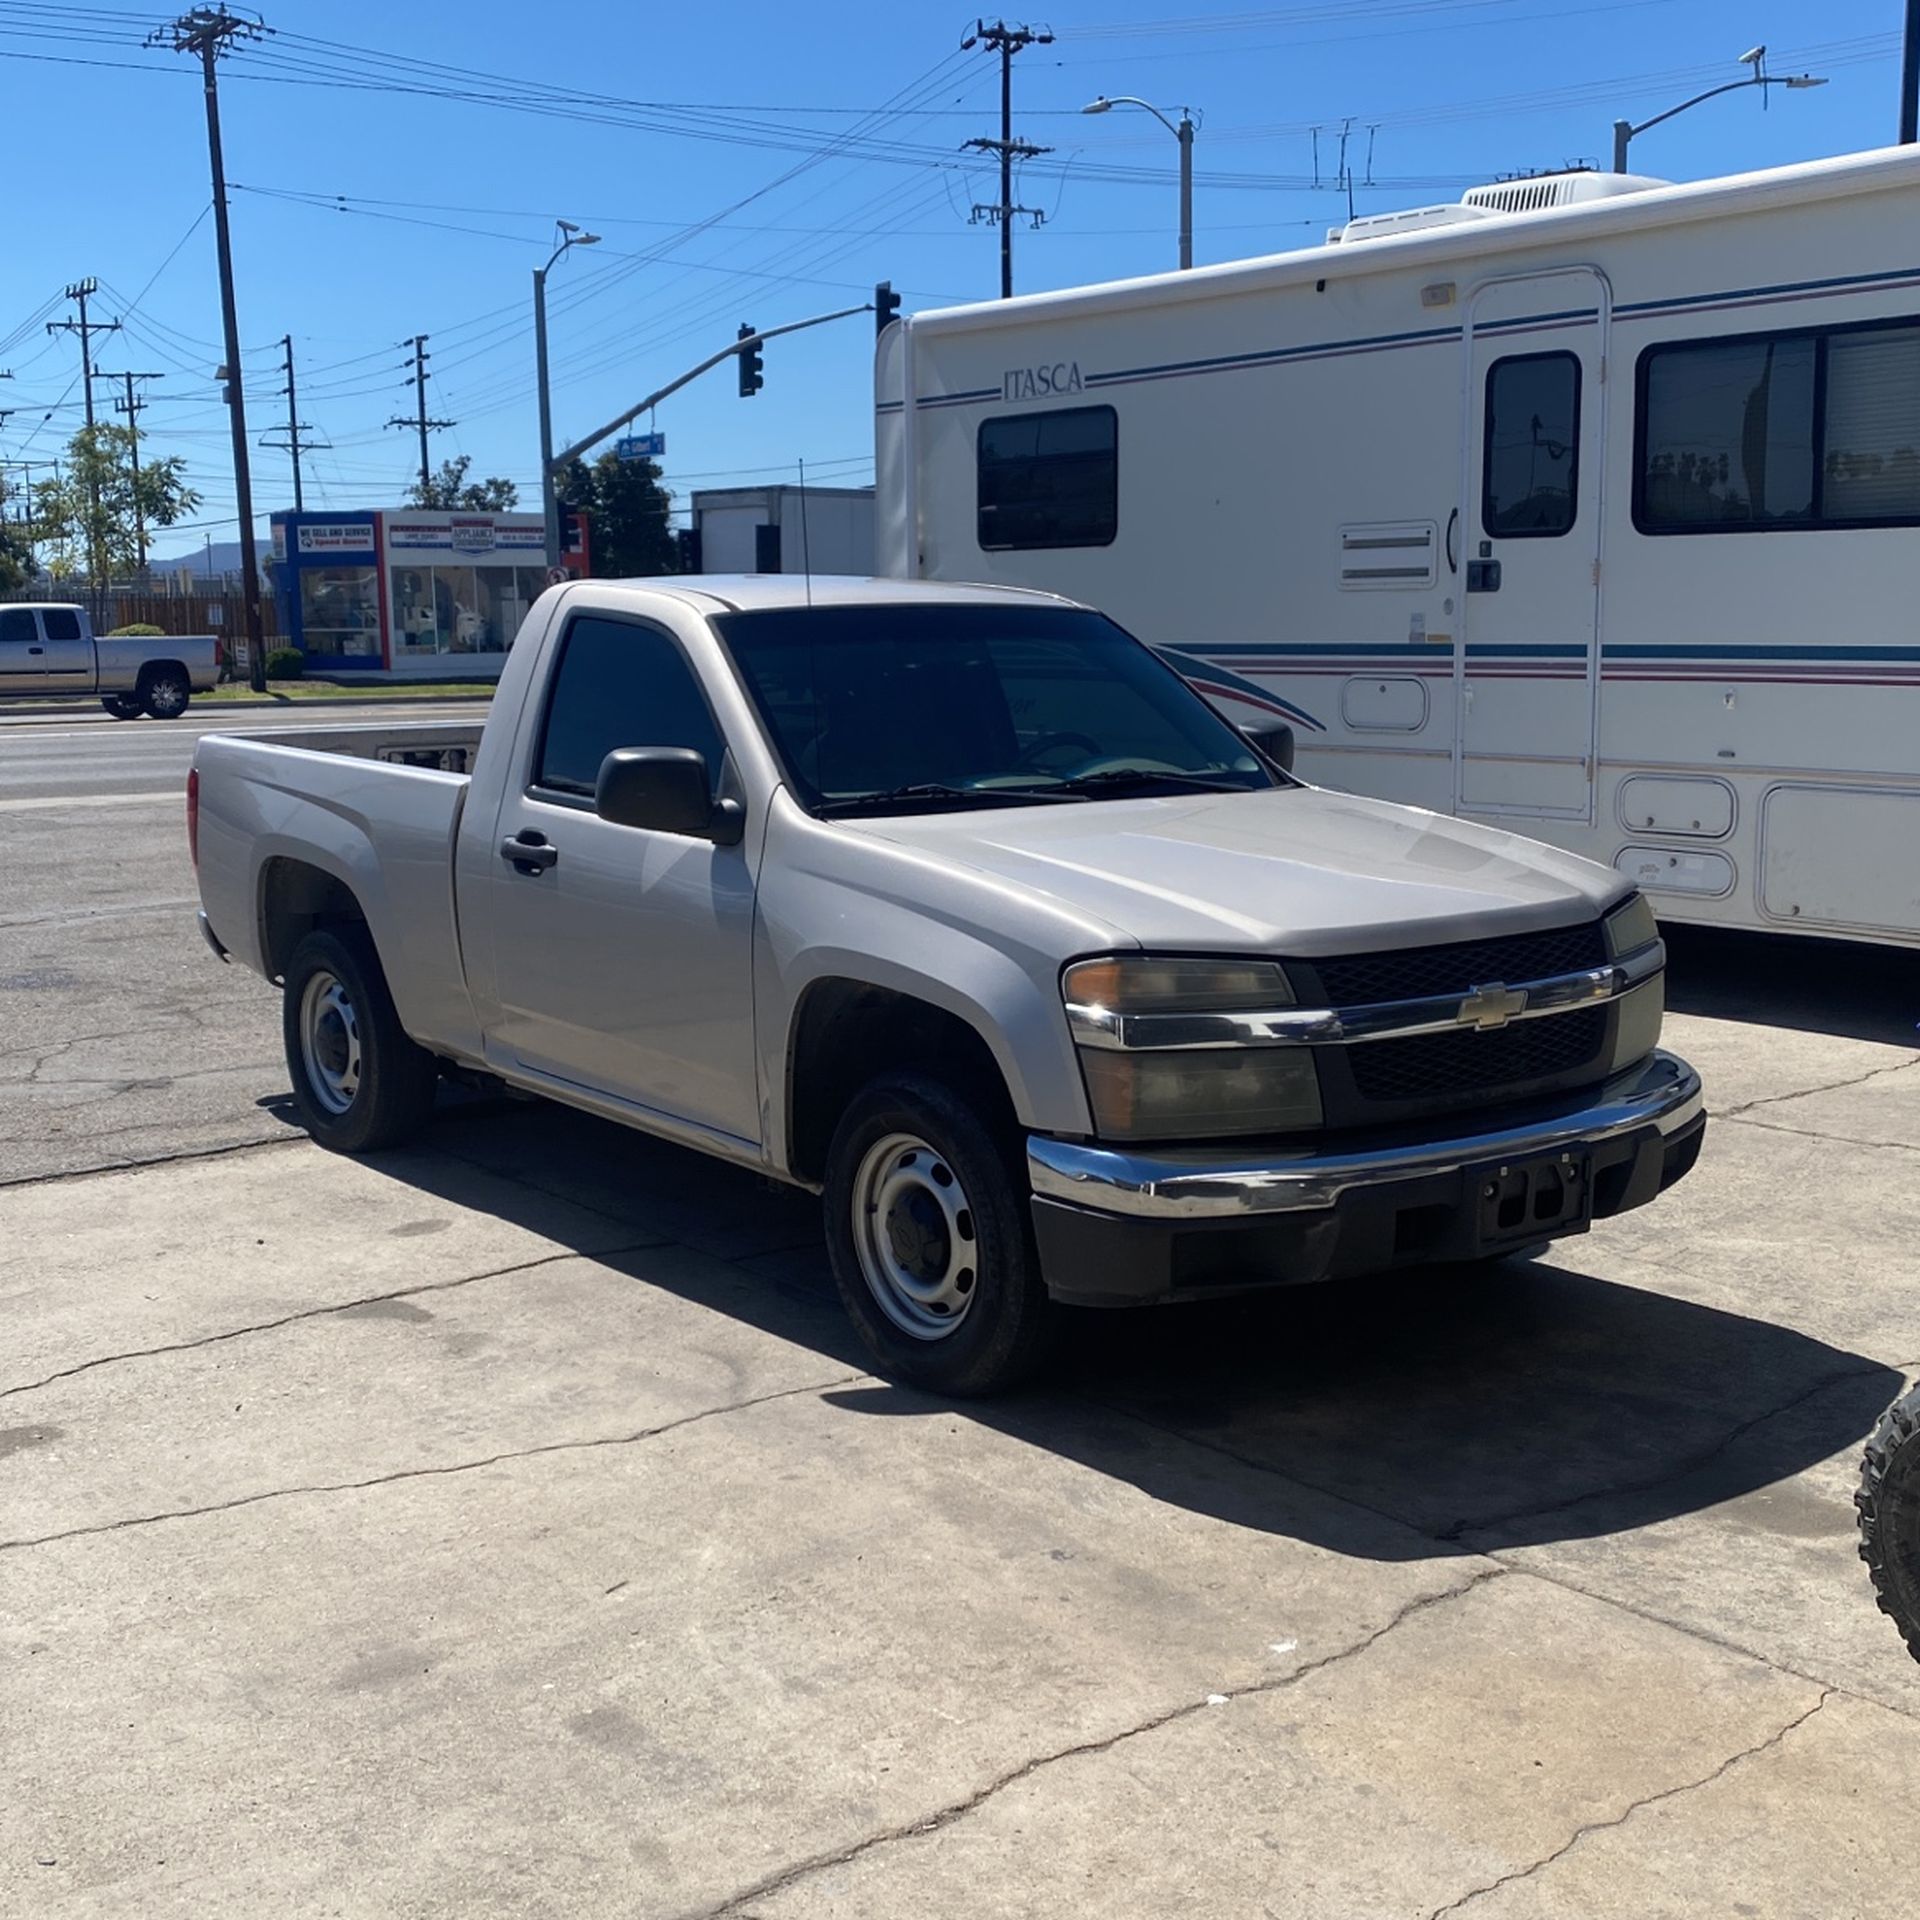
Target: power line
{"points": [[419, 422]]}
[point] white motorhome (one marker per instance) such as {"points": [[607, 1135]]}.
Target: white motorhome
{"points": [[1588, 506]]}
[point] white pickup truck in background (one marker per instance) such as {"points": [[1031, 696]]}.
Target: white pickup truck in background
{"points": [[50, 649], [959, 906]]}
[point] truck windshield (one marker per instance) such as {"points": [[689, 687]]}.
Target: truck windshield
{"points": [[912, 708]]}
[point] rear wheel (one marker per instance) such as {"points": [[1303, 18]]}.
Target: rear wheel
{"points": [[1889, 1505], [931, 1241], [123, 706], [164, 692], [358, 1081]]}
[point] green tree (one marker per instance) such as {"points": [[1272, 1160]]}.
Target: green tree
{"points": [[626, 508], [91, 518], [16, 549], [450, 487]]}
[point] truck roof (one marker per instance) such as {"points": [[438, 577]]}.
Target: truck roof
{"points": [[741, 592]]}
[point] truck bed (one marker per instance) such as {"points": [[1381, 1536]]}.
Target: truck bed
{"points": [[373, 809]]}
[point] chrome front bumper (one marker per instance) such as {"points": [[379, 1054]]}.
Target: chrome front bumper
{"points": [[1215, 1183]]}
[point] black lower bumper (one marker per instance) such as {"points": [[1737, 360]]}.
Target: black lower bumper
{"points": [[1091, 1257]]}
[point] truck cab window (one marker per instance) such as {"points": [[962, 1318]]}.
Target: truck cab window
{"points": [[61, 623], [619, 684], [18, 627], [1530, 466], [1049, 479]]}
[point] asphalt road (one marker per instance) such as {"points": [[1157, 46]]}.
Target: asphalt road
{"points": [[509, 1526], [121, 1038]]}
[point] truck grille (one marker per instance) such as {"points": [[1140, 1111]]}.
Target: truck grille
{"points": [[1441, 1066], [1366, 979]]}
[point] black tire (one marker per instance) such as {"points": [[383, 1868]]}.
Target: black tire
{"points": [[393, 1080], [165, 691], [1007, 1324], [1889, 1508], [123, 706]]}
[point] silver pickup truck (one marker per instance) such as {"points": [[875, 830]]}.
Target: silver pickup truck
{"points": [[958, 906], [51, 650]]}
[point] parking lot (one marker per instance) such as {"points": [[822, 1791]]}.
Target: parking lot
{"points": [[509, 1525]]}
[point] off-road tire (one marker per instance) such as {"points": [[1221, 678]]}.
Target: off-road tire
{"points": [[1009, 1325], [165, 691], [1889, 1506], [396, 1080], [123, 706]]}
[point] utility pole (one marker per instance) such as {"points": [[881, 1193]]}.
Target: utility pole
{"points": [[1910, 78], [418, 421], [1006, 41], [133, 407], [208, 32], [294, 428], [80, 293]]}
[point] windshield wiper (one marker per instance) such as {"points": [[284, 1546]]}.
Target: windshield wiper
{"points": [[1109, 778], [933, 790]]}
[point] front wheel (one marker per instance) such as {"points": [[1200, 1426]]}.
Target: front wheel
{"points": [[358, 1081], [123, 706], [1889, 1507], [165, 693], [931, 1240]]}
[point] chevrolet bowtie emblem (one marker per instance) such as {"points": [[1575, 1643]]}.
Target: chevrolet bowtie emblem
{"points": [[1486, 1008]]}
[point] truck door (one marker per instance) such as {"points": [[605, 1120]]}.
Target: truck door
{"points": [[69, 655], [1527, 634], [621, 958], [23, 652]]}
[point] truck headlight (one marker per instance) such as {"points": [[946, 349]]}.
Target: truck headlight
{"points": [[1630, 926], [1163, 1057]]}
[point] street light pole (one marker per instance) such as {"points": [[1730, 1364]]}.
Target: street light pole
{"points": [[1624, 130], [571, 236], [1184, 134]]}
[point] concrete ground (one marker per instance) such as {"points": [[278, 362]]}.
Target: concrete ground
{"points": [[509, 1525]]}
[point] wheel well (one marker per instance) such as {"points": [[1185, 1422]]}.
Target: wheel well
{"points": [[846, 1032], [150, 668], [295, 899]]}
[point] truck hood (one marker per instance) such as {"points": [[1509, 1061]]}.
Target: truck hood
{"points": [[1300, 870]]}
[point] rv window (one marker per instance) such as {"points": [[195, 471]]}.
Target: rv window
{"points": [[1870, 451], [1726, 435], [1049, 479], [1530, 465]]}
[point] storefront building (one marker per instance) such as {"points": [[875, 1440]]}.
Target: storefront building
{"points": [[406, 590]]}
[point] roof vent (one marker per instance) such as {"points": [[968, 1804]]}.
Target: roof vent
{"points": [[1379, 226]]}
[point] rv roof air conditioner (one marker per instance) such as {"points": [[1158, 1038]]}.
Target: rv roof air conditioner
{"points": [[1502, 196]]}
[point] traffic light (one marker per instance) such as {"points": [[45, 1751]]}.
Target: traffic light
{"points": [[886, 307], [752, 377]]}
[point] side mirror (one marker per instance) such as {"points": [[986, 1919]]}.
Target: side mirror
{"points": [[1275, 740], [665, 789]]}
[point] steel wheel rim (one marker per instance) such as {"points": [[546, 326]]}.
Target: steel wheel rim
{"points": [[914, 1234], [330, 1042], [169, 698]]}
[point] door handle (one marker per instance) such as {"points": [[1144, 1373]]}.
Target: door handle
{"points": [[530, 852], [36, 649]]}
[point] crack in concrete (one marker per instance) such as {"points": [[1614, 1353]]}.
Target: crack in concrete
{"points": [[1646, 1800], [1836, 1139], [1465, 1530], [1806, 1093], [321, 1313], [437, 1472], [291, 1139], [735, 1906]]}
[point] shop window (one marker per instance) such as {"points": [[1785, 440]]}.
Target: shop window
{"points": [[461, 609], [340, 611]]}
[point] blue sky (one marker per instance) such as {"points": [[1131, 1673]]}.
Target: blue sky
{"points": [[760, 162]]}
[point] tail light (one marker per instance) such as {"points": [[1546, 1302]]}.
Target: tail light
{"points": [[193, 817]]}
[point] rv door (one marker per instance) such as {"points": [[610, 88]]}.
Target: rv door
{"points": [[1527, 634]]}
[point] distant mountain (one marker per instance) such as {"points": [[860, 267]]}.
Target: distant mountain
{"points": [[222, 557]]}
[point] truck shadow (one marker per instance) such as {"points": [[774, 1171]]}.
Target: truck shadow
{"points": [[1843, 988], [1417, 1415]]}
